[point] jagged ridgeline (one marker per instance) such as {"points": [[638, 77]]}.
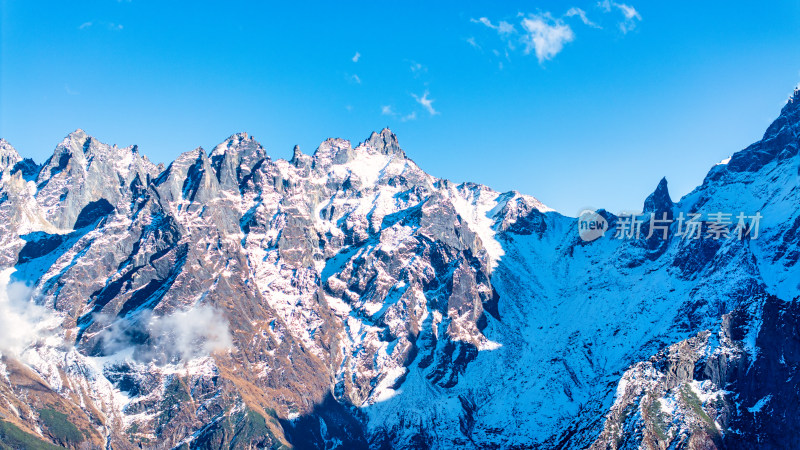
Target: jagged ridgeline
{"points": [[348, 298]]}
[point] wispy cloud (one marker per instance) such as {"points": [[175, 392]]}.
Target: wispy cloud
{"points": [[355, 78], [388, 110], [408, 117], [70, 91], [356, 57], [545, 35], [406, 111], [629, 13], [540, 33], [631, 18], [426, 102], [417, 68], [502, 27], [577, 12], [111, 26]]}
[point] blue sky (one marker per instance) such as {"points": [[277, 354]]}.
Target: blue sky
{"points": [[577, 103]]}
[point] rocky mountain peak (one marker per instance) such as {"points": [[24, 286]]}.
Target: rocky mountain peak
{"points": [[235, 158], [789, 118], [79, 134], [189, 179], [296, 155], [178, 168], [8, 156], [300, 159], [235, 142], [780, 142], [384, 143], [332, 151], [76, 140], [794, 100], [659, 201], [240, 136], [340, 151], [71, 153], [83, 171]]}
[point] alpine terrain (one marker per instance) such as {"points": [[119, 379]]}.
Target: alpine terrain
{"points": [[348, 299]]}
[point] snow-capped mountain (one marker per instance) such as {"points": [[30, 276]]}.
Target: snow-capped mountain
{"points": [[348, 299]]}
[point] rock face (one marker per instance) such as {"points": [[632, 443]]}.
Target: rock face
{"points": [[348, 299]]}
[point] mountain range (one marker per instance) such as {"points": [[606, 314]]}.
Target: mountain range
{"points": [[348, 299]]}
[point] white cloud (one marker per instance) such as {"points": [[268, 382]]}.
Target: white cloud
{"points": [[192, 333], [572, 12], [629, 13], [545, 36], [417, 68], [108, 25], [484, 21], [502, 27], [355, 79], [412, 116], [388, 110], [505, 28], [22, 322], [631, 17], [356, 57], [426, 103], [181, 336], [540, 33]]}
